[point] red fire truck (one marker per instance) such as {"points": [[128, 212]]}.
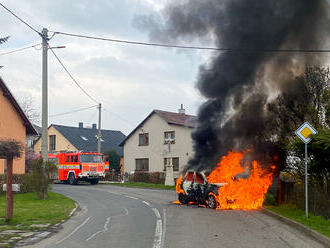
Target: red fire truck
{"points": [[79, 166]]}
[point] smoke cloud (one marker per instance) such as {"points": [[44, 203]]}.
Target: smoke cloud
{"points": [[239, 85]]}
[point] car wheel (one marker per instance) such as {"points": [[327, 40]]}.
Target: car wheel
{"points": [[72, 179], [211, 201], [183, 199]]}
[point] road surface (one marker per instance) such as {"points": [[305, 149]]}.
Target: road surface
{"points": [[113, 216]]}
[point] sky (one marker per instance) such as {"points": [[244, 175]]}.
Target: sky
{"points": [[128, 80]]}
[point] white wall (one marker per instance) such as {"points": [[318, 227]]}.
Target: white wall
{"points": [[156, 151]]}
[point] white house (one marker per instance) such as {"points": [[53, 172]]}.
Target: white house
{"points": [[147, 147]]}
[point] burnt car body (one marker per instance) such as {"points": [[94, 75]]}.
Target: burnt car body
{"points": [[194, 187]]}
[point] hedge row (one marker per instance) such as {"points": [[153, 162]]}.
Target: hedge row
{"points": [[148, 177], [22, 179]]}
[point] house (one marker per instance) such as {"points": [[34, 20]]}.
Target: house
{"points": [[31, 139], [66, 138], [160, 136], [13, 125]]}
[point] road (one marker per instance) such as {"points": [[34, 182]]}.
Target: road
{"points": [[113, 216]]}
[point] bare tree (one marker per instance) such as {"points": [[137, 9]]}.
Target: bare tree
{"points": [[27, 105]]}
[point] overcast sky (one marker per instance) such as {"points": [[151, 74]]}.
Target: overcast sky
{"points": [[130, 81]]}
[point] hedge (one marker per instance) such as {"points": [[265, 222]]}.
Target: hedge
{"points": [[22, 179]]}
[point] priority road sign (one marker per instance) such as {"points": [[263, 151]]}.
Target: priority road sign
{"points": [[305, 131]]}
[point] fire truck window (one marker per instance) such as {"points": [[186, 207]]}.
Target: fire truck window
{"points": [[67, 159], [76, 158], [190, 176], [199, 178]]}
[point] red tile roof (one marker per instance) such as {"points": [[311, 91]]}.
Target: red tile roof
{"points": [[177, 118]]}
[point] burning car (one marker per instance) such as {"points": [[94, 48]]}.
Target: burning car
{"points": [[194, 187]]}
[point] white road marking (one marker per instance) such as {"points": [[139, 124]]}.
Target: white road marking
{"points": [[164, 228], [105, 227], [147, 203], [76, 229], [132, 197], [158, 234], [156, 213]]}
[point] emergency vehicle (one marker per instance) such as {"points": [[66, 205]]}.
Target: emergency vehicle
{"points": [[79, 166]]}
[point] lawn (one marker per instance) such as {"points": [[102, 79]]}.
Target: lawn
{"points": [[316, 223], [144, 185], [29, 210]]}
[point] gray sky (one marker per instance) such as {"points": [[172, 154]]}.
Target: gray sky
{"points": [[130, 81]]}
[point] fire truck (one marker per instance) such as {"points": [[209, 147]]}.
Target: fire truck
{"points": [[78, 166]]}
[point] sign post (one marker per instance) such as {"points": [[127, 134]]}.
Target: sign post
{"points": [[304, 132]]}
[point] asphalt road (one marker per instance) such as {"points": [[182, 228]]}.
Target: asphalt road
{"points": [[113, 216]]}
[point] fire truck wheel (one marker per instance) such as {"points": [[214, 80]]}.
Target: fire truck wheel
{"points": [[94, 181], [183, 199], [211, 201], [72, 180]]}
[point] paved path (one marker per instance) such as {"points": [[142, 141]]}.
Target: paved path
{"points": [[126, 217]]}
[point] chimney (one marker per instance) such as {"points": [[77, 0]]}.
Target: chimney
{"points": [[81, 125], [93, 126], [182, 110]]}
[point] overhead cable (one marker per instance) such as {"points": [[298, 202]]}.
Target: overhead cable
{"points": [[20, 49], [236, 50], [70, 75], [73, 111]]}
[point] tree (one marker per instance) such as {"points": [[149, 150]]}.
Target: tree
{"points": [[28, 107], [4, 39], [114, 160]]}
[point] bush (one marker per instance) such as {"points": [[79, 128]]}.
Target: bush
{"points": [[148, 177], [269, 199], [22, 179], [40, 181]]}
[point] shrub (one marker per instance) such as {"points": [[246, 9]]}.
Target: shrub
{"points": [[40, 181], [148, 177], [269, 199], [22, 179]]}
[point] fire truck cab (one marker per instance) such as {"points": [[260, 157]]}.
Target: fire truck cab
{"points": [[79, 166]]}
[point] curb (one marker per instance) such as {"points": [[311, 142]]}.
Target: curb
{"points": [[314, 234]]}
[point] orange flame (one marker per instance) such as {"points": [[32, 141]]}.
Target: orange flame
{"points": [[240, 193], [178, 187]]}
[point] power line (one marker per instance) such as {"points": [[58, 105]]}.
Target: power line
{"points": [[73, 111], [70, 75], [20, 49], [238, 50], [11, 12]]}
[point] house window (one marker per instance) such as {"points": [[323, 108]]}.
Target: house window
{"points": [[170, 135], [175, 163], [143, 139], [52, 142], [142, 164]]}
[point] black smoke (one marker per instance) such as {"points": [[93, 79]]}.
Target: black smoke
{"points": [[238, 85]]}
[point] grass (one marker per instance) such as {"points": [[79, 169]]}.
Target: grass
{"points": [[29, 210], [144, 185], [316, 223]]}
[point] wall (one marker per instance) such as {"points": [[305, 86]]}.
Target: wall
{"points": [[156, 151], [11, 127], [62, 144]]}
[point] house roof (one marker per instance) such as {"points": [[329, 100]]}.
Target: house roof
{"points": [[84, 138], [6, 92], [189, 121]]}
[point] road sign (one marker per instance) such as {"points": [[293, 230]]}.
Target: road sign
{"points": [[305, 131]]}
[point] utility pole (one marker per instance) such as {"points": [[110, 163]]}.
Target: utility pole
{"points": [[44, 134], [99, 135]]}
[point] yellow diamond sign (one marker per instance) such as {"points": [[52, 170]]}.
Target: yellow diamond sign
{"points": [[305, 131]]}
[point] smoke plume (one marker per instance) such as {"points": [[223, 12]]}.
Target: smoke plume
{"points": [[238, 85]]}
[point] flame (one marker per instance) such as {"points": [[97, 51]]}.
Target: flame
{"points": [[178, 187], [240, 193]]}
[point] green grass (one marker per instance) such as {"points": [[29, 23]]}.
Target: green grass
{"points": [[144, 185], [29, 210], [316, 223]]}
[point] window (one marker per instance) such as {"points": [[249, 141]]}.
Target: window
{"points": [[175, 163], [90, 158], [143, 139], [52, 142], [190, 176], [170, 135], [199, 178], [84, 138], [142, 164]]}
